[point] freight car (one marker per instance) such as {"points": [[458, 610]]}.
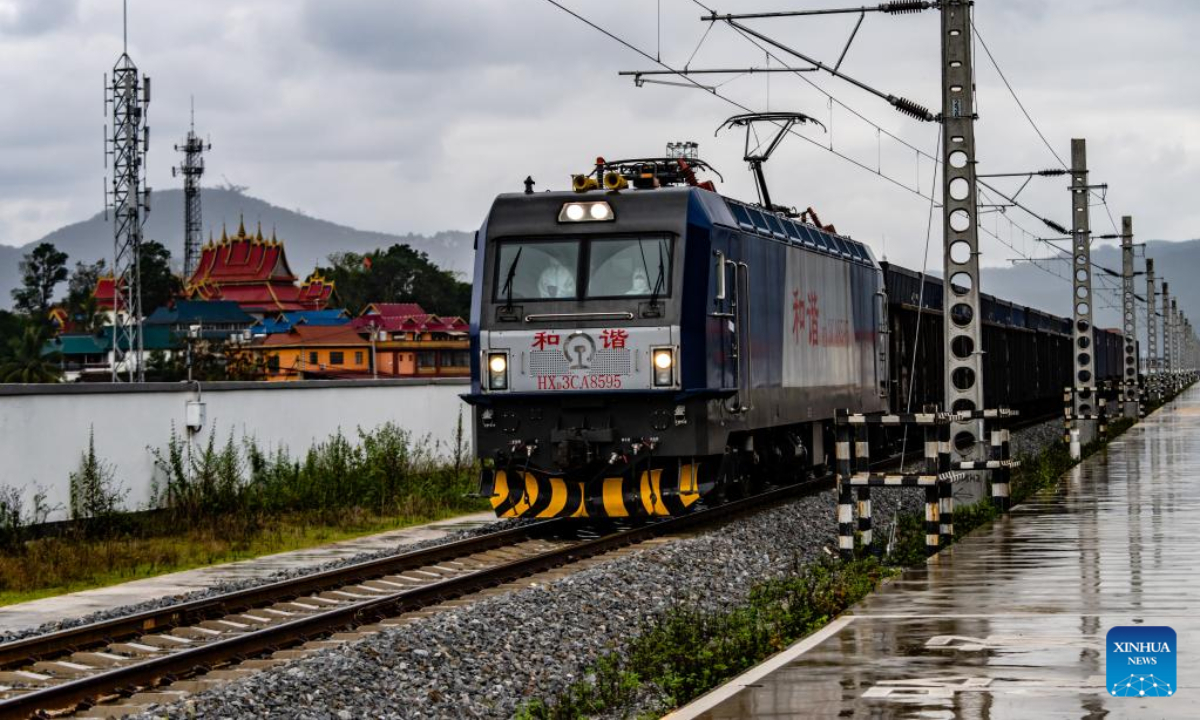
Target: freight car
{"points": [[1027, 353], [639, 348]]}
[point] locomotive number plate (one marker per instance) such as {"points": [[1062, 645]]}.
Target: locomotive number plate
{"points": [[578, 382]]}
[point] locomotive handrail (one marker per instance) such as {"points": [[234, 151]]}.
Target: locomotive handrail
{"points": [[544, 317], [746, 400]]}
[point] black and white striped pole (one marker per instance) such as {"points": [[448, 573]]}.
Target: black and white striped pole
{"points": [[862, 465], [845, 510]]}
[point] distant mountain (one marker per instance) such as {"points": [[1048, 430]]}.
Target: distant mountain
{"points": [[308, 240], [1176, 262]]}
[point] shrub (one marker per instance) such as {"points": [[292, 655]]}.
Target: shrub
{"points": [[95, 494]]}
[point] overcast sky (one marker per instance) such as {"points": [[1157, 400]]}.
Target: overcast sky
{"points": [[410, 115]]}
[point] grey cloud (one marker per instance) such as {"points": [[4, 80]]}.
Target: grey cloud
{"points": [[412, 114], [35, 17]]}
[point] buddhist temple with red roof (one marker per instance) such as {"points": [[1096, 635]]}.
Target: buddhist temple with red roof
{"points": [[254, 273], [105, 293]]}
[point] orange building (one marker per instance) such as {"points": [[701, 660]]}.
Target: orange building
{"points": [[308, 352], [410, 342]]}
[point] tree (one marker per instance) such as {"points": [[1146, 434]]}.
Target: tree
{"points": [[42, 270], [398, 274], [82, 307], [159, 284], [26, 363], [12, 326]]}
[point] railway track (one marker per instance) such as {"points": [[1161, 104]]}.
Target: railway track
{"points": [[88, 668], [195, 644]]}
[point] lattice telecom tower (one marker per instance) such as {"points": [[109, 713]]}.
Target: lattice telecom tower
{"points": [[193, 149], [126, 97]]}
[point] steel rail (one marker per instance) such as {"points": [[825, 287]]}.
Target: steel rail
{"points": [[39, 647], [148, 673]]}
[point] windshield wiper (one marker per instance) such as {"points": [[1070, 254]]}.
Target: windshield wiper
{"points": [[508, 281], [662, 277]]}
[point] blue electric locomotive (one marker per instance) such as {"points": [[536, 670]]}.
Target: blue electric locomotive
{"points": [[640, 346]]}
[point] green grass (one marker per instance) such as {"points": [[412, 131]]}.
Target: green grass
{"points": [[220, 503], [53, 566]]}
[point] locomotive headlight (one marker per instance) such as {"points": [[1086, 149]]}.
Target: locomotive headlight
{"points": [[497, 365], [586, 212], [664, 366]]}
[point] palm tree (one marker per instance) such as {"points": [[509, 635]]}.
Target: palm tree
{"points": [[26, 362]]}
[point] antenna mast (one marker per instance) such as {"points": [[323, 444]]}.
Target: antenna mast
{"points": [[127, 97], [193, 149]]}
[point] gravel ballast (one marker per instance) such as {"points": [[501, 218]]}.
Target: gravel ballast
{"points": [[484, 660]]}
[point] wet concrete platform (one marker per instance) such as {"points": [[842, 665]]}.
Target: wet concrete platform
{"points": [[79, 604], [1011, 622]]}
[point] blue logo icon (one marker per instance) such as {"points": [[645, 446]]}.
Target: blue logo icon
{"points": [[1141, 661]]}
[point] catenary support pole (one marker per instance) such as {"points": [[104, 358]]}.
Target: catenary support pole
{"points": [[1152, 363], [1167, 364], [1130, 392], [1085, 407], [962, 320]]}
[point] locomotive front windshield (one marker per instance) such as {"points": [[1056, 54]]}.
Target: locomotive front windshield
{"points": [[591, 268]]}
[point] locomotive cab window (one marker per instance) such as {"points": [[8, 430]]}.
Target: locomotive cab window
{"points": [[538, 270], [628, 267], [593, 268]]}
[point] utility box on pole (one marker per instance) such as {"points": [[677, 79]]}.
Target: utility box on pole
{"points": [[1130, 392]]}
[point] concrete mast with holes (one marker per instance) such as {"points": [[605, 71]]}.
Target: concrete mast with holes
{"points": [[1151, 332], [961, 317], [1085, 405], [1176, 356], [1129, 374], [1165, 374]]}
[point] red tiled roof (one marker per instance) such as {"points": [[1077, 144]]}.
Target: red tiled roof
{"points": [[105, 292], [394, 309], [254, 273], [242, 258], [315, 336], [410, 323]]}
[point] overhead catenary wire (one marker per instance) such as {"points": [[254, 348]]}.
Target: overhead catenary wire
{"points": [[713, 91], [823, 91], [1029, 117], [691, 83], [920, 301]]}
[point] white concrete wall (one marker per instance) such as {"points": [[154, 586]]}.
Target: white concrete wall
{"points": [[44, 429]]}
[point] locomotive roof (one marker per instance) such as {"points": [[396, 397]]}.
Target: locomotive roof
{"points": [[642, 210]]}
